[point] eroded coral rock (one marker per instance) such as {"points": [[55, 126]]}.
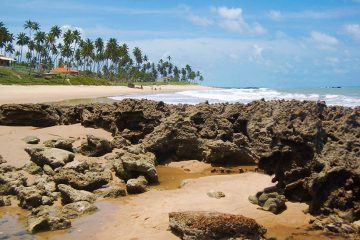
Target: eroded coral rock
{"points": [[77, 209], [46, 218], [61, 143], [95, 146], [53, 157], [70, 195], [213, 225]]}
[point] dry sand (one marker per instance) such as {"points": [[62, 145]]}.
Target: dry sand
{"points": [[12, 146], [145, 216], [41, 94]]}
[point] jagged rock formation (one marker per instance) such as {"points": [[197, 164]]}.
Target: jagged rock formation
{"points": [[313, 150]]}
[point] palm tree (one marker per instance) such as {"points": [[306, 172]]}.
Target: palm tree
{"points": [[87, 51], [138, 56], [32, 26], [22, 40], [9, 48], [55, 31]]}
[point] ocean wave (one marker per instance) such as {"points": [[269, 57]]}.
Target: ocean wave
{"points": [[245, 95]]}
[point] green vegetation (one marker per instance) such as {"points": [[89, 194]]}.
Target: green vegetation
{"points": [[20, 76], [100, 62]]}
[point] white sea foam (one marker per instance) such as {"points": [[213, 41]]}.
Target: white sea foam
{"points": [[245, 96]]}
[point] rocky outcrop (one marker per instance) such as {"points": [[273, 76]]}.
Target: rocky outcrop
{"points": [[133, 161], [70, 195], [37, 115], [312, 150], [61, 143], [53, 157], [95, 146], [214, 225]]}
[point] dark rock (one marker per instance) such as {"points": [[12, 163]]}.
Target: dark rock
{"points": [[120, 142], [46, 219], [37, 115], [5, 201], [32, 168], [90, 180], [61, 143], [2, 160], [30, 197], [51, 156], [95, 147], [138, 185], [214, 225], [77, 209], [110, 192], [31, 140], [10, 180], [134, 162], [70, 195], [269, 201]]}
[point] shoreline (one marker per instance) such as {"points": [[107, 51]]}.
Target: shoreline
{"points": [[16, 94]]}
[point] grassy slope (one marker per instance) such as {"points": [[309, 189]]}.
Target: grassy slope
{"points": [[20, 76]]}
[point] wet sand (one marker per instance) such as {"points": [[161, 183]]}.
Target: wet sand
{"points": [[42, 94]]}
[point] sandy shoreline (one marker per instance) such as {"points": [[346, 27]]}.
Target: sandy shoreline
{"points": [[42, 93]]}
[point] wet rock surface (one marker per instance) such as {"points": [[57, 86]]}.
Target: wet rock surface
{"points": [[213, 225], [312, 150], [270, 200]]}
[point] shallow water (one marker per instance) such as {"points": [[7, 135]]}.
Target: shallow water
{"points": [[347, 96]]}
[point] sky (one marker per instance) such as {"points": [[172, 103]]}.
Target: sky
{"points": [[234, 43]]}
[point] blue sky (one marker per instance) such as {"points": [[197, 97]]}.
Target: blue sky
{"points": [[279, 43]]}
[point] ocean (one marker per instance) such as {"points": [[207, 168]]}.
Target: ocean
{"points": [[344, 96]]}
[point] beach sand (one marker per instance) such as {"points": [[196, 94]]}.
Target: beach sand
{"points": [[46, 94]]}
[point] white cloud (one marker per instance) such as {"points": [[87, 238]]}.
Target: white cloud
{"points": [[230, 13], [64, 28], [323, 38], [275, 15], [201, 21], [258, 29], [232, 19], [353, 30]]}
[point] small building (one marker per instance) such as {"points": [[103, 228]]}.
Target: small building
{"points": [[63, 69], [6, 61]]}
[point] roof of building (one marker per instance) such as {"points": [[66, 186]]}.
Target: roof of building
{"points": [[63, 70], [7, 58]]}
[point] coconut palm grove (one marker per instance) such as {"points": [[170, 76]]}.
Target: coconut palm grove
{"points": [[39, 51]]}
